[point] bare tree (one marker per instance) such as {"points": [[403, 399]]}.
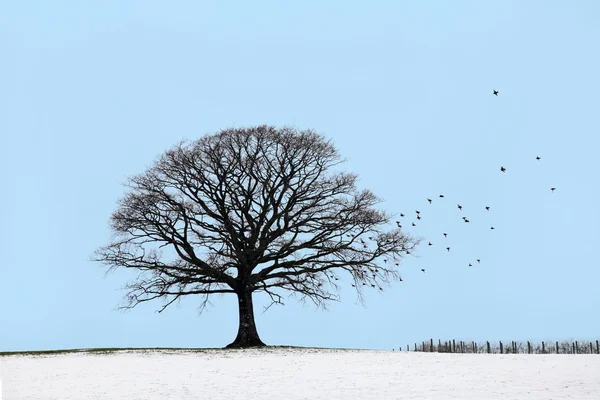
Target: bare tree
{"points": [[251, 210]]}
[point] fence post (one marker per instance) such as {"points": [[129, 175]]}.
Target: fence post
{"points": [[573, 348], [439, 345], [543, 348], [515, 347], [591, 348], [597, 347], [576, 347], [501, 349], [453, 346], [475, 347], [488, 348], [431, 350], [407, 348], [528, 347], [557, 352], [415, 347]]}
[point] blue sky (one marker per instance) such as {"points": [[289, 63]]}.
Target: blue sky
{"points": [[92, 93]]}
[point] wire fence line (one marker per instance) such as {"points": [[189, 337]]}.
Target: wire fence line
{"points": [[512, 347]]}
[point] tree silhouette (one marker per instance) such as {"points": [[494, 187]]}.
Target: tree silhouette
{"points": [[250, 210]]}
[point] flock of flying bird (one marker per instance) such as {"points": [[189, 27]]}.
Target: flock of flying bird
{"points": [[460, 208]]}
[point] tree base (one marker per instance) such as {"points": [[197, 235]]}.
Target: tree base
{"points": [[240, 344]]}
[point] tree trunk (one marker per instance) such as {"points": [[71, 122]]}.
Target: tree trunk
{"points": [[247, 334]]}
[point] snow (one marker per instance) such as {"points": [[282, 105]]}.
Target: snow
{"points": [[284, 373]]}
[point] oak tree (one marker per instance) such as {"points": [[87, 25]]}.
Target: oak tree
{"points": [[259, 209]]}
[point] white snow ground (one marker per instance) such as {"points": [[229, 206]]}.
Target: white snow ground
{"points": [[281, 373]]}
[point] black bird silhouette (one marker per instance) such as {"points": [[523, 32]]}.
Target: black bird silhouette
{"points": [[492, 227], [478, 261], [445, 235], [384, 261], [418, 217], [459, 207], [402, 215], [502, 169], [553, 189], [495, 92], [448, 248], [538, 158], [466, 220], [407, 252], [487, 208], [418, 212], [431, 244], [353, 285], [470, 265], [429, 200], [397, 264], [413, 224], [400, 279], [423, 269], [371, 237], [441, 196]]}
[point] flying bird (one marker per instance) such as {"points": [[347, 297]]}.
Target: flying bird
{"points": [[487, 208], [492, 227], [478, 261], [466, 220], [464, 217], [423, 269], [431, 244], [445, 235], [402, 215], [407, 252], [413, 224], [448, 248], [538, 158], [418, 217], [553, 189], [495, 92], [429, 200], [502, 169], [441, 196], [470, 265], [418, 212], [459, 207]]}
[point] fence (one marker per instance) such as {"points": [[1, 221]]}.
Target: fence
{"points": [[454, 346]]}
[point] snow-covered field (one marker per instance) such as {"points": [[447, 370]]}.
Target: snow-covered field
{"points": [[283, 373]]}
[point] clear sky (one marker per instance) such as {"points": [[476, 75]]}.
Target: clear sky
{"points": [[92, 93]]}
